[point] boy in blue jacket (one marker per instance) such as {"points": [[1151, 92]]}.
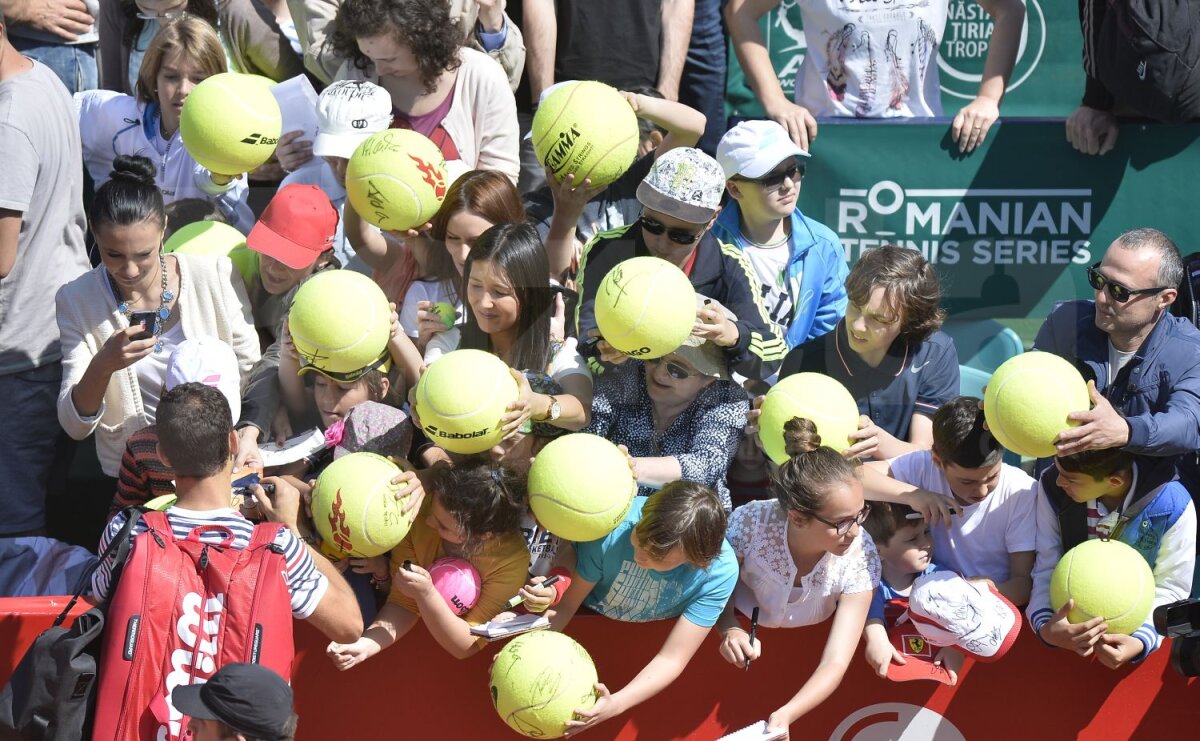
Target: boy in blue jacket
{"points": [[800, 263], [1111, 494]]}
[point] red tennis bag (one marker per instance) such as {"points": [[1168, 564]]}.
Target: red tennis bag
{"points": [[181, 610]]}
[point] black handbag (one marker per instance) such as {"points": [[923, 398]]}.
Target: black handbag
{"points": [[52, 692]]}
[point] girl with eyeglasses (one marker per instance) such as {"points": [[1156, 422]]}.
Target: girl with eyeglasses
{"points": [[804, 558]]}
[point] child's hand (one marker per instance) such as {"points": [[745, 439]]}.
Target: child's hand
{"points": [[537, 597], [608, 353], [752, 415], [558, 320], [780, 720], [281, 426], [881, 654], [429, 323], [414, 582], [867, 438], [413, 492], [346, 655], [375, 566], [606, 707], [341, 564], [951, 660], [287, 347], [520, 411], [1078, 637], [737, 648], [394, 321], [937, 509], [411, 233], [1115, 650]]}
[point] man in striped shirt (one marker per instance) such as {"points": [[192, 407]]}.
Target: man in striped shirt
{"points": [[196, 438]]}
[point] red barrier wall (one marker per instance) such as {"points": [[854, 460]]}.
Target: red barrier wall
{"points": [[415, 690]]}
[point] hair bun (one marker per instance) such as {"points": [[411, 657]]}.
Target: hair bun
{"points": [[132, 168], [800, 436]]}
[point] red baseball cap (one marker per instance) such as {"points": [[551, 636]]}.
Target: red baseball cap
{"points": [[297, 226]]}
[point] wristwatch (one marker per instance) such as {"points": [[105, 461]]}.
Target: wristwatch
{"points": [[553, 412]]}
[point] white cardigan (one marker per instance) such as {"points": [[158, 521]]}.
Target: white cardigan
{"points": [[482, 120], [212, 303]]}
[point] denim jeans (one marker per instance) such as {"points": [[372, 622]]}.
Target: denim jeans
{"points": [[31, 442], [74, 65], [703, 84]]}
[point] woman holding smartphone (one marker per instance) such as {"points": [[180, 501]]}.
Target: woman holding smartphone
{"points": [[121, 321]]}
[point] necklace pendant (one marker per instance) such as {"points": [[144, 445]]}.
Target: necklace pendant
{"points": [[123, 307], [164, 313], [158, 345], [168, 296]]}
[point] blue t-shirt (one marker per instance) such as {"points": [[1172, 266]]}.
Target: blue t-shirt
{"points": [[626, 591], [885, 597]]}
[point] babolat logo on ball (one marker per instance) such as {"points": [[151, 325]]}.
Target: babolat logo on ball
{"points": [[561, 151], [431, 430], [259, 139], [964, 47]]}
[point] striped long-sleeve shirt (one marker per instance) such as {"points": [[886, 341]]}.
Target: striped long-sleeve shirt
{"points": [[306, 584]]}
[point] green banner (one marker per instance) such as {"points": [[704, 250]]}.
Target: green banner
{"points": [[1047, 79], [1012, 226]]}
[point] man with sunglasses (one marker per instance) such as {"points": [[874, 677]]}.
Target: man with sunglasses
{"points": [[1142, 364], [800, 263], [680, 199]]}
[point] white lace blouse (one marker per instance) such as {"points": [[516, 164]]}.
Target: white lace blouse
{"points": [[758, 533]]}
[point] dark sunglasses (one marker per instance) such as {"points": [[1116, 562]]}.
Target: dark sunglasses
{"points": [[678, 236], [1119, 293], [674, 370], [795, 173], [844, 526]]}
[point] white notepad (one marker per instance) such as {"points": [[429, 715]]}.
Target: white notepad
{"points": [[494, 631], [754, 732], [293, 449]]}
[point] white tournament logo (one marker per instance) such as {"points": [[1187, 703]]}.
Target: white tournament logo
{"points": [[896, 721], [965, 41]]}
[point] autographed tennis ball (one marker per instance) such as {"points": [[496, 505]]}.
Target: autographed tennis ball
{"points": [[539, 680], [354, 506], [587, 129], [461, 398], [396, 179], [645, 307]]}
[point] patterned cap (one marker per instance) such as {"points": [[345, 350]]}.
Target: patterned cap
{"points": [[949, 610], [684, 183]]}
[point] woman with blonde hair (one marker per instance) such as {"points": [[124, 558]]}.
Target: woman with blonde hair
{"points": [[183, 54]]}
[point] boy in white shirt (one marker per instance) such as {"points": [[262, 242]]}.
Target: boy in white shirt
{"points": [[994, 536]]}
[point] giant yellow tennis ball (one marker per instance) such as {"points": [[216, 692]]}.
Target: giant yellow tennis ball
{"points": [[587, 129], [1028, 399], [539, 680], [461, 398], [580, 487], [396, 179], [230, 124], [1108, 579], [354, 506], [812, 396], [340, 322], [645, 307], [209, 238]]}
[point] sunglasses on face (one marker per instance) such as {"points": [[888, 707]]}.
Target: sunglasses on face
{"points": [[1118, 292], [844, 526], [383, 364], [678, 236], [794, 173], [674, 370]]}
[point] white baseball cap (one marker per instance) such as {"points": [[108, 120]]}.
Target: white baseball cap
{"points": [[209, 361], [949, 610], [348, 112], [753, 148]]}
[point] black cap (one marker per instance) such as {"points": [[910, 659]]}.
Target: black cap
{"points": [[249, 698]]}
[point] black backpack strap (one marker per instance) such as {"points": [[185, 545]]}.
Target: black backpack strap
{"points": [[118, 550]]}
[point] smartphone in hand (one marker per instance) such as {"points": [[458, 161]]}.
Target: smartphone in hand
{"points": [[146, 319]]}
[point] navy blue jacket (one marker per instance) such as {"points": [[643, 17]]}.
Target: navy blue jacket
{"points": [[1158, 391]]}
